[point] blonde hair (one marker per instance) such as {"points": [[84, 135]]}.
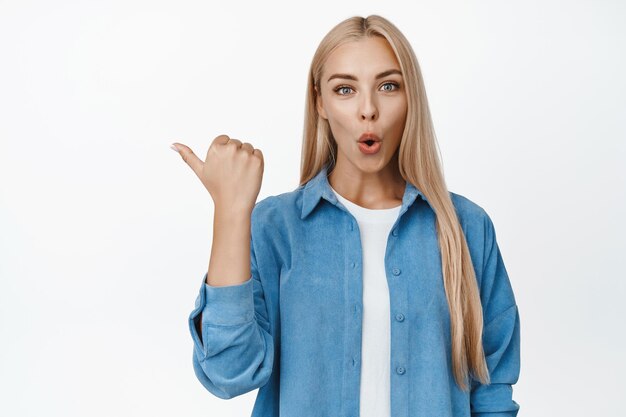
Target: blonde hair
{"points": [[419, 164]]}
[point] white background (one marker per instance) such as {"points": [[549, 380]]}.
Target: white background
{"points": [[105, 232]]}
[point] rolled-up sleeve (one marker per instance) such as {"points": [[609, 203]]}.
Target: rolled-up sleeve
{"points": [[234, 353], [501, 336]]}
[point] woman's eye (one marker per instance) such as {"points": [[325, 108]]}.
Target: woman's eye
{"points": [[341, 87], [393, 84]]}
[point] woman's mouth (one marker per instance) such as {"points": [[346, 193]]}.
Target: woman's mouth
{"points": [[369, 146]]}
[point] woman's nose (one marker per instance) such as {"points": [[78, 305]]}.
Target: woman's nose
{"points": [[368, 110], [368, 115]]}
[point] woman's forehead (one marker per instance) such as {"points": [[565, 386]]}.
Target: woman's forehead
{"points": [[364, 58]]}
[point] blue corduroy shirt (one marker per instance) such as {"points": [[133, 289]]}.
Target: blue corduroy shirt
{"points": [[293, 329]]}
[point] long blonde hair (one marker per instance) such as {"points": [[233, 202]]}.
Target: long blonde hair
{"points": [[419, 164]]}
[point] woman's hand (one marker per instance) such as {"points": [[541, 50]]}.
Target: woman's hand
{"points": [[232, 172]]}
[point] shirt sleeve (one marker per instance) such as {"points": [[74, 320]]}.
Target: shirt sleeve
{"points": [[501, 336], [235, 352]]}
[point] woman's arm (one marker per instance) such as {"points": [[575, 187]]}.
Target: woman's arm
{"points": [[233, 346], [229, 263], [501, 336], [233, 349]]}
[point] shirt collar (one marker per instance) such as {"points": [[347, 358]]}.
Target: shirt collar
{"points": [[318, 187]]}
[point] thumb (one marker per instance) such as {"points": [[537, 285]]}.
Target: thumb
{"points": [[189, 157]]}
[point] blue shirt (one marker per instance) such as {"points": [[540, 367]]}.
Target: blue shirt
{"points": [[294, 328]]}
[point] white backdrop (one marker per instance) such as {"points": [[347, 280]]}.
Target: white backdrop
{"points": [[105, 232]]}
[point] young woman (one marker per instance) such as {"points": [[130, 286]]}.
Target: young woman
{"points": [[370, 289]]}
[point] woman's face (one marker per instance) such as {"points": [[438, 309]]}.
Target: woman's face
{"points": [[362, 90]]}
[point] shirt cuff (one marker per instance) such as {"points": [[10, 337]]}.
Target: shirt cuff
{"points": [[229, 305]]}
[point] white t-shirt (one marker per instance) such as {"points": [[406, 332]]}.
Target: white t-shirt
{"points": [[374, 225]]}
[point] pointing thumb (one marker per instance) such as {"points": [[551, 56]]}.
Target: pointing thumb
{"points": [[189, 157]]}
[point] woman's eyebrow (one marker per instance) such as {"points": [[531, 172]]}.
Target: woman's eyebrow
{"points": [[352, 77]]}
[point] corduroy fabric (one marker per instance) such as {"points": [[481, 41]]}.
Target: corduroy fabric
{"points": [[294, 328]]}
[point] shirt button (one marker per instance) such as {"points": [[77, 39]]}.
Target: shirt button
{"points": [[395, 232], [351, 226], [396, 271], [353, 361], [353, 265], [400, 370], [400, 317]]}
